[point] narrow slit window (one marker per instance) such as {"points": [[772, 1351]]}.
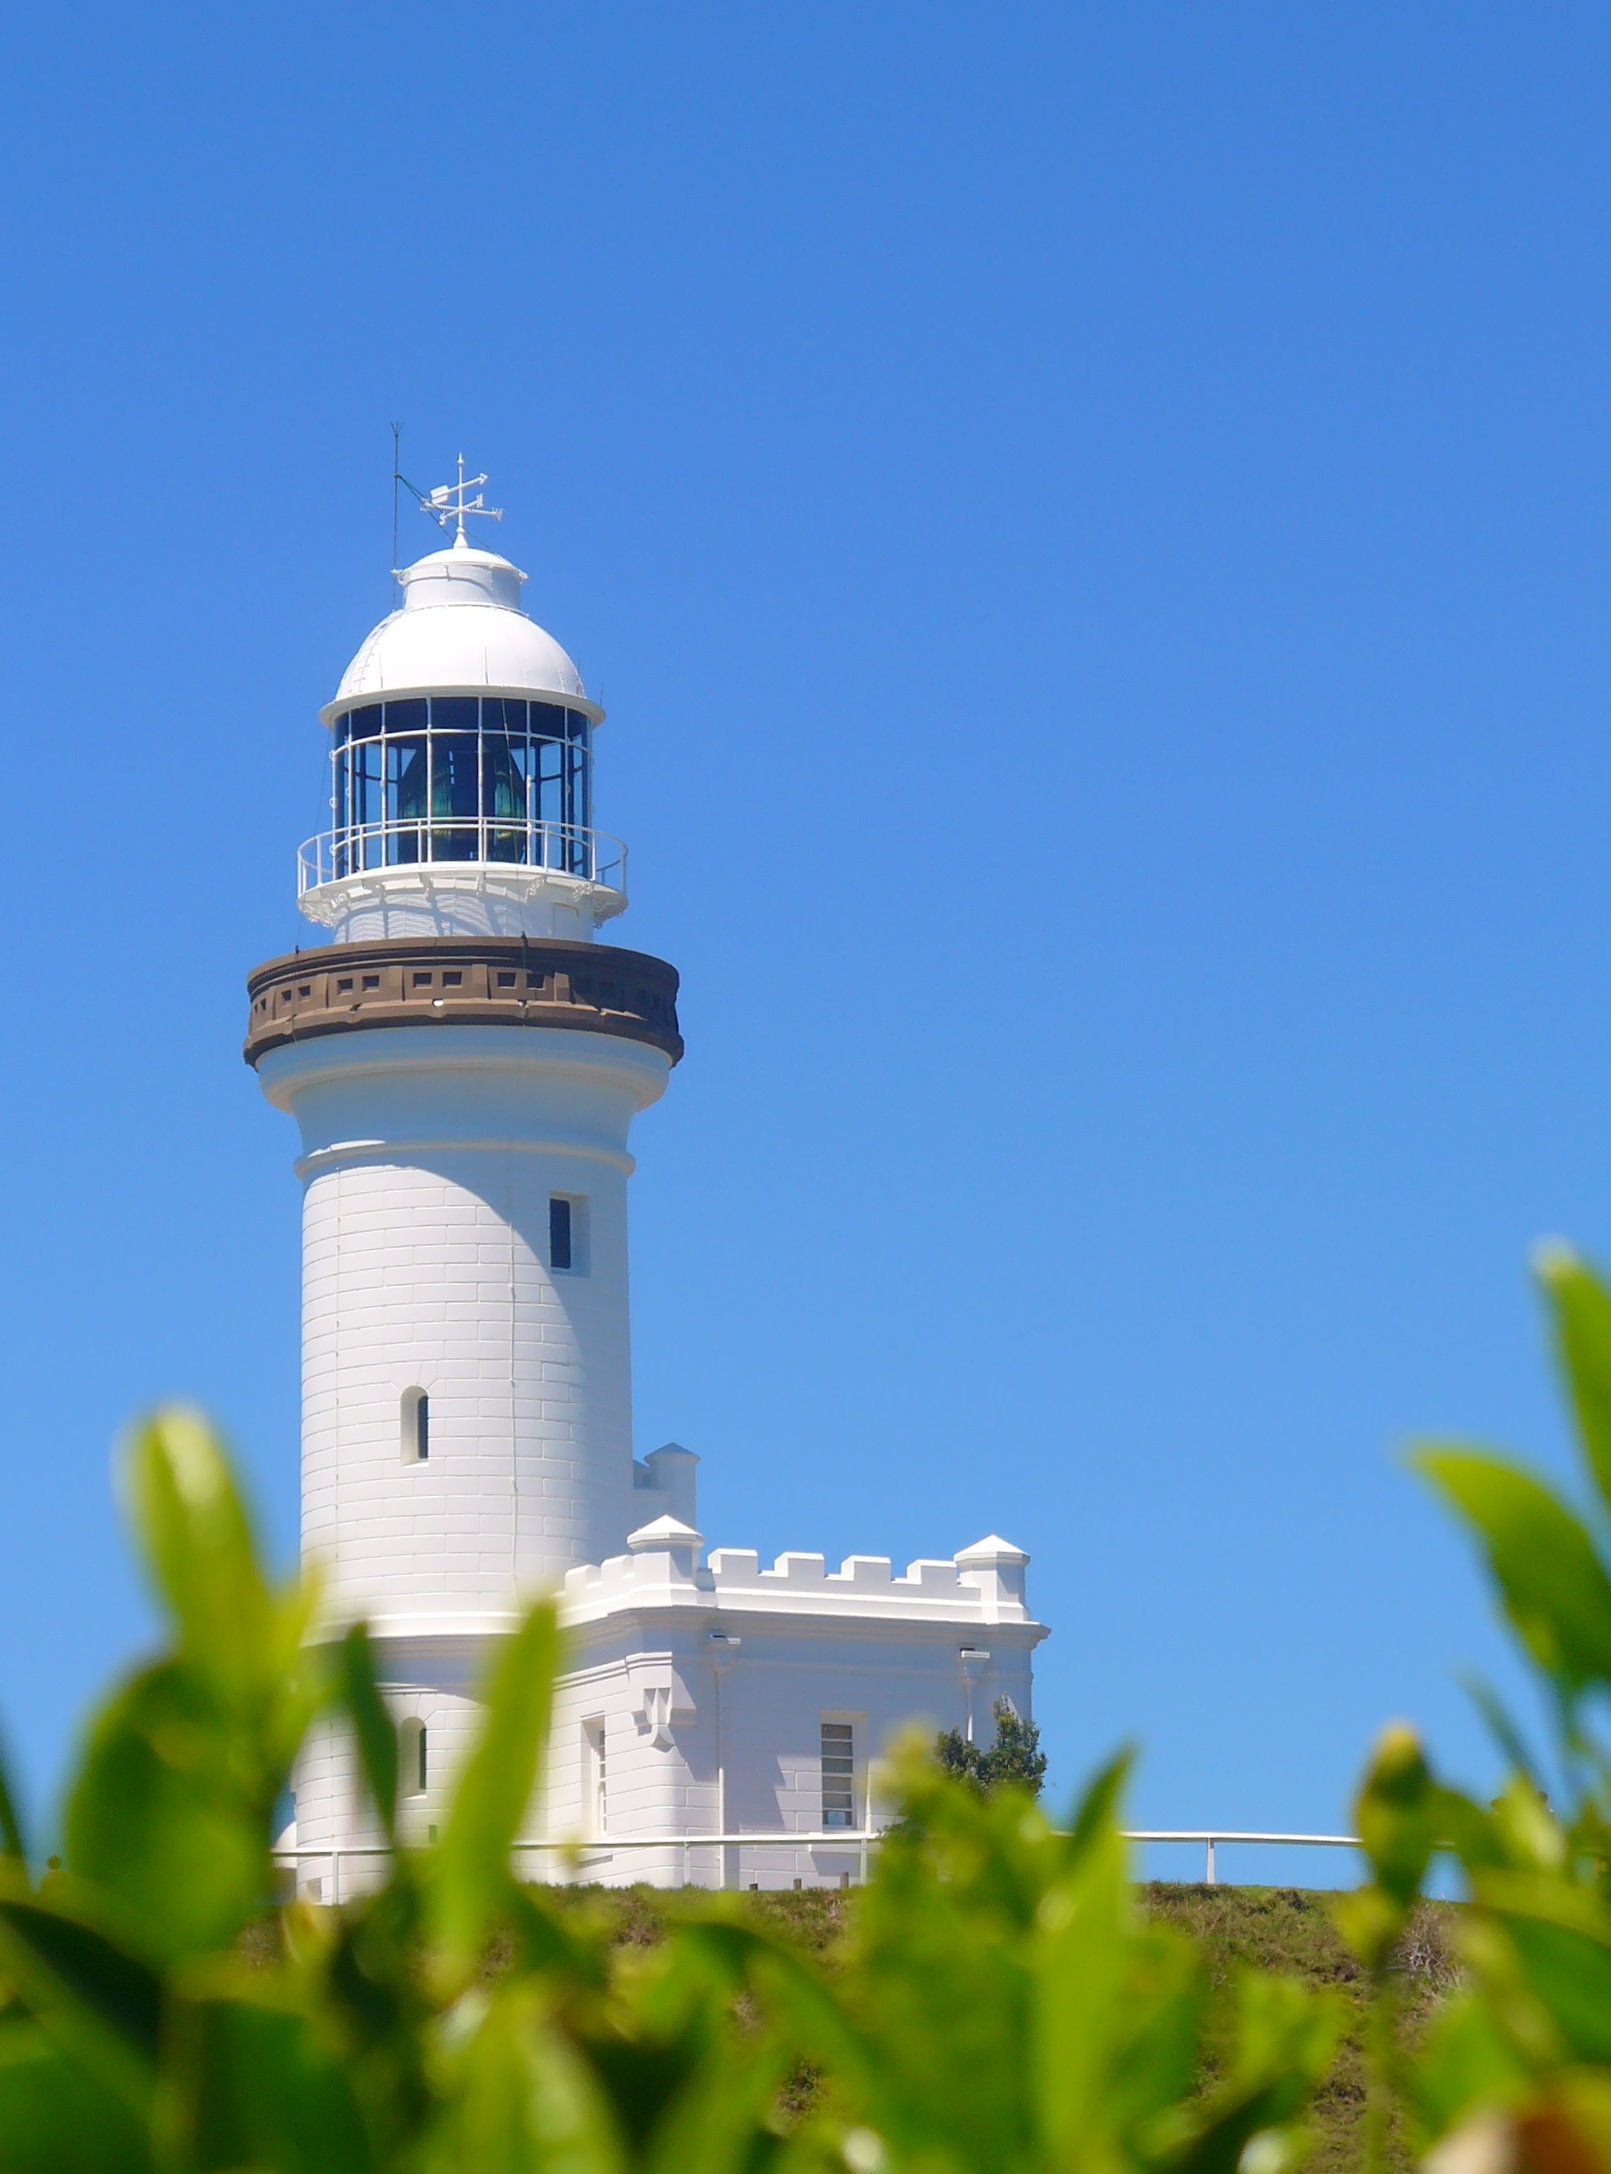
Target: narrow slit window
{"points": [[838, 1774], [560, 1233], [595, 1776], [413, 1758], [416, 1426]]}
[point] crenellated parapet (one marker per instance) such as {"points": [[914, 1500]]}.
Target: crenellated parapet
{"points": [[982, 1584]]}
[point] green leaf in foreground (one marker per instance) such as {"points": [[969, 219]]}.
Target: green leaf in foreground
{"points": [[11, 1838], [163, 1821], [198, 1544], [56, 2118], [1580, 1311], [95, 2001], [1550, 1578], [372, 1724], [470, 1869]]}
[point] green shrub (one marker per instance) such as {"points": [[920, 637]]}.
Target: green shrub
{"points": [[997, 1999], [1515, 2070], [1014, 1759], [1001, 1999]]}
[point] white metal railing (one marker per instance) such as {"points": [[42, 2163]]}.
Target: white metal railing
{"points": [[477, 841], [861, 1841], [1211, 1841]]}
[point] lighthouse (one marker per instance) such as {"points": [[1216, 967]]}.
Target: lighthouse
{"points": [[463, 1060]]}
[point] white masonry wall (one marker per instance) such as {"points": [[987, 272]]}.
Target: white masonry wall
{"points": [[713, 1683], [430, 1157], [710, 1686], [432, 1273]]}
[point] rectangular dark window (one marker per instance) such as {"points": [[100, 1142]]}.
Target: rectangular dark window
{"points": [[838, 1774], [559, 1232], [416, 1418]]}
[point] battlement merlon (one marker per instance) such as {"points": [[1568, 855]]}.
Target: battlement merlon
{"points": [[982, 1584]]}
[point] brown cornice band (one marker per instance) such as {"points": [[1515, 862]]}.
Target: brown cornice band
{"points": [[482, 981]]}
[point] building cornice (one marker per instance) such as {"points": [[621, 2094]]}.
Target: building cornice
{"points": [[446, 981]]}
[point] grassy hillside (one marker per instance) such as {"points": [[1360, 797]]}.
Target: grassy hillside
{"points": [[1288, 1929], [1273, 1928]]}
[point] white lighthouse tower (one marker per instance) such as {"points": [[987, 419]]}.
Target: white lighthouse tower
{"points": [[464, 1061]]}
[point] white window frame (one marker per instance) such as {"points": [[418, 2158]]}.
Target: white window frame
{"points": [[857, 1725]]}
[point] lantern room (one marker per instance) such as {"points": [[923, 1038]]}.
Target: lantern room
{"points": [[461, 771]]}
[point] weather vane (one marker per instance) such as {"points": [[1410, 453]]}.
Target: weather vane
{"points": [[451, 501]]}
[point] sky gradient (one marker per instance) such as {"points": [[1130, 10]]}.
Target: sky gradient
{"points": [[1093, 528]]}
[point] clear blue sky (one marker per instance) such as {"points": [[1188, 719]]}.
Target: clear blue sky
{"points": [[1094, 527]]}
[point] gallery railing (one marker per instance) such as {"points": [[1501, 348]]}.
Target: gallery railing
{"points": [[486, 841]]}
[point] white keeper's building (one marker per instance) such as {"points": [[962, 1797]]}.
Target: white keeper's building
{"points": [[464, 1061]]}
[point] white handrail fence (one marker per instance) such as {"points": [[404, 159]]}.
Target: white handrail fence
{"points": [[861, 1841], [442, 844]]}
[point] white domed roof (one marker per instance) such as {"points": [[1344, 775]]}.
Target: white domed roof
{"points": [[460, 629]]}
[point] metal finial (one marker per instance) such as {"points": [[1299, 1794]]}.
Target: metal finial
{"points": [[449, 502]]}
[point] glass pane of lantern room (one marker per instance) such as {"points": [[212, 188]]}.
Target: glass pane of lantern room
{"points": [[578, 810], [455, 778], [369, 803], [405, 798], [341, 809], [503, 792], [550, 798]]}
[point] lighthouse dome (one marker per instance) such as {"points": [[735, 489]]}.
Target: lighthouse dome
{"points": [[460, 629]]}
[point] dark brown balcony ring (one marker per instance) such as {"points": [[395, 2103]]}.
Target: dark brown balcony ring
{"points": [[481, 981]]}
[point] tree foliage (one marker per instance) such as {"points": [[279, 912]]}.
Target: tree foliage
{"points": [[1000, 2003], [1013, 1760]]}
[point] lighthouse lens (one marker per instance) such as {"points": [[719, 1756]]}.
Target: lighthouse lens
{"points": [[462, 778], [455, 790], [503, 793]]}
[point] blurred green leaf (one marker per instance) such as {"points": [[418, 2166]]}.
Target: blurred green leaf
{"points": [[1081, 1964], [254, 2084], [162, 1819], [1558, 1937], [1465, 2064], [1502, 1727], [1580, 1308], [98, 2003], [1525, 1835], [471, 1880], [1001, 2003], [372, 1724], [1096, 1815], [57, 2118], [1395, 1814], [197, 1540], [11, 1837], [1551, 1580], [521, 2099]]}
